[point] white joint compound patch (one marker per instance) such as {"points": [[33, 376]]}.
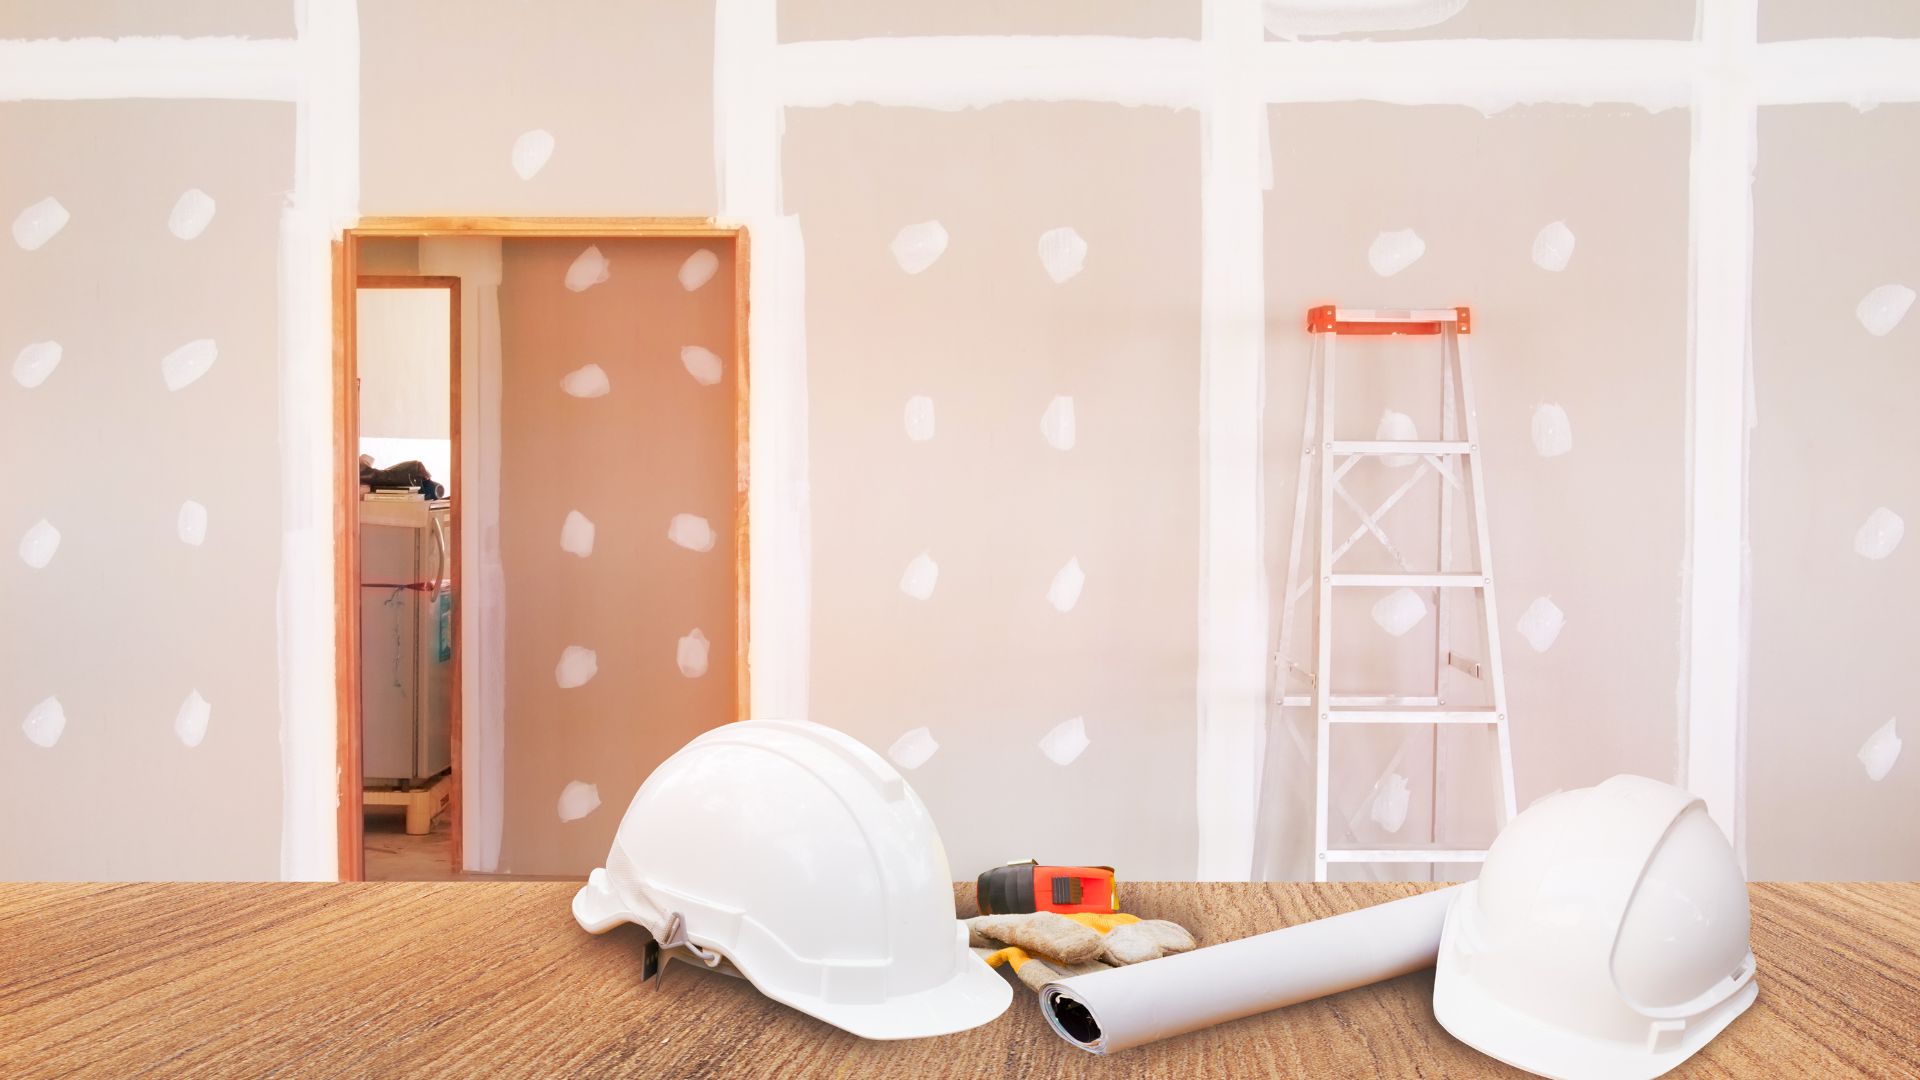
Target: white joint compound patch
{"points": [[691, 531], [586, 382], [691, 654], [1552, 431], [1390, 798], [1882, 309], [1399, 611], [44, 723], [35, 362], [917, 247], [190, 723], [39, 543], [1879, 534], [702, 364], [1067, 582], [192, 213], [912, 750], [1066, 742], [589, 268], [698, 269], [918, 418], [1057, 423], [183, 366], [1880, 751], [576, 534], [1393, 252], [38, 223], [1541, 624], [1396, 427], [1319, 18], [577, 666], [577, 800], [190, 524], [1553, 246], [531, 152], [1064, 254], [920, 576]]}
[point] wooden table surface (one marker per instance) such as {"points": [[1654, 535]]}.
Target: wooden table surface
{"points": [[465, 979]]}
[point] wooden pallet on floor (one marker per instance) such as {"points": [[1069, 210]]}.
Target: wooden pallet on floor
{"points": [[423, 803]]}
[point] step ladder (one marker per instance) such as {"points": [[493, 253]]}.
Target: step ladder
{"points": [[1325, 461]]}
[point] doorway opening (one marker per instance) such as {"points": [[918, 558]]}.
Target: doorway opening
{"points": [[541, 530]]}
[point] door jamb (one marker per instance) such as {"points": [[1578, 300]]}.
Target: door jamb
{"points": [[350, 823]]}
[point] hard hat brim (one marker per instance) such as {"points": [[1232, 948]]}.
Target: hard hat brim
{"points": [[975, 995], [1498, 1030]]}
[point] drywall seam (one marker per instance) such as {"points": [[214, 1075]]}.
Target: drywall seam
{"points": [[1232, 677], [326, 184], [476, 261], [214, 68], [1713, 654], [974, 72], [748, 118], [1486, 75], [1862, 72]]}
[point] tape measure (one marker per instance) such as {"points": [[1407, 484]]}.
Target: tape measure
{"points": [[1022, 887]]}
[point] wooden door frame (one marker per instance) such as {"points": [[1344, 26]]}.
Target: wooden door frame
{"points": [[350, 825]]}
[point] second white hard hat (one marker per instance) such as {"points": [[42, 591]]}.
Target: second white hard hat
{"points": [[1606, 937], [793, 854]]}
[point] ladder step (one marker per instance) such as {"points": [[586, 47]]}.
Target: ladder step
{"points": [[1413, 716], [1353, 447], [1404, 855], [1416, 580], [1305, 701]]}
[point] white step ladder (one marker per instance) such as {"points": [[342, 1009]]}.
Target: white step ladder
{"points": [[1325, 460]]}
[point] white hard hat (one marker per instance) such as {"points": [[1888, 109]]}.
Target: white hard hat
{"points": [[801, 859], [1606, 936]]}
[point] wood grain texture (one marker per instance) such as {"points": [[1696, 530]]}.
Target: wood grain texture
{"points": [[495, 979]]}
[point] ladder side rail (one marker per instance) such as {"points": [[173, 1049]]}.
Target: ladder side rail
{"points": [[1496, 670], [1443, 603], [1296, 585], [1323, 612]]}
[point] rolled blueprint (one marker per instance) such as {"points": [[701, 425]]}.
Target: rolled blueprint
{"points": [[1110, 1011]]}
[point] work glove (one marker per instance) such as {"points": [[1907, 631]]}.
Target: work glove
{"points": [[1045, 945]]}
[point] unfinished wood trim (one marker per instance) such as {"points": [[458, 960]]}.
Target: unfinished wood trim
{"points": [[742, 540], [351, 827], [516, 227]]}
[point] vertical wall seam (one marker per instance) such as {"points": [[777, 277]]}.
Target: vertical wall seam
{"points": [[1714, 649], [1231, 680]]}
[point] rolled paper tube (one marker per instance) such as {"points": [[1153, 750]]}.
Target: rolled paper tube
{"points": [[1111, 1011]]}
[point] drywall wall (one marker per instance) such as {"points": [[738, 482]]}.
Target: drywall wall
{"points": [[138, 675], [129, 18], [501, 106], [1577, 288], [447, 87], [1831, 793], [1002, 387], [617, 520]]}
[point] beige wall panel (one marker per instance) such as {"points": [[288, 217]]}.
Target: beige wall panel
{"points": [[1598, 530], [1786, 19], [1833, 632], [986, 663], [817, 20], [127, 620], [1532, 19], [656, 445], [130, 18], [626, 91]]}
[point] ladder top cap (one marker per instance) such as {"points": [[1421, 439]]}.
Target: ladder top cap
{"points": [[1423, 322]]}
